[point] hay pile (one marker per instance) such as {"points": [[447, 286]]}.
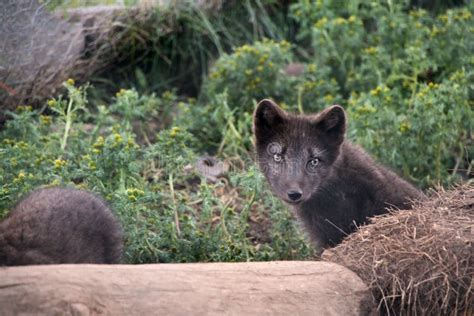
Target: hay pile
{"points": [[418, 261]]}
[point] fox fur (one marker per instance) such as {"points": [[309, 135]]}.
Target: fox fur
{"points": [[60, 225]]}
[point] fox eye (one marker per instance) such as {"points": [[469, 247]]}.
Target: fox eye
{"points": [[313, 164], [277, 157]]}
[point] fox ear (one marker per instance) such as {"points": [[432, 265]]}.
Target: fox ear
{"points": [[332, 123], [266, 118]]}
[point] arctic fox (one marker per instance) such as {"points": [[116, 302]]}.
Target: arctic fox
{"points": [[332, 185], [60, 225]]}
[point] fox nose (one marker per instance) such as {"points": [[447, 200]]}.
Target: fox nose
{"points": [[294, 195]]}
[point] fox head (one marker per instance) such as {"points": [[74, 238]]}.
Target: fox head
{"points": [[296, 152]]}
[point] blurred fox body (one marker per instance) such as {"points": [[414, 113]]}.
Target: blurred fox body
{"points": [[60, 225], [332, 185]]}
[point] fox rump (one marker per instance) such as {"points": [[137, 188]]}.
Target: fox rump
{"points": [[332, 185], [60, 225]]}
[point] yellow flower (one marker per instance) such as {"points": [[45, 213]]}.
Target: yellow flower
{"points": [[130, 144], [55, 183], [285, 44], [432, 85], [134, 193], [309, 85], [371, 50], [174, 131], [118, 139], [45, 119], [339, 21], [21, 144], [465, 15], [311, 68], [443, 18], [120, 93], [51, 103], [24, 108], [366, 109], [435, 31], [20, 177], [99, 143], [70, 82], [82, 186], [417, 13], [321, 23], [92, 165], [376, 91], [328, 98], [352, 19], [59, 163], [38, 161], [8, 141], [404, 127], [13, 162], [167, 95]]}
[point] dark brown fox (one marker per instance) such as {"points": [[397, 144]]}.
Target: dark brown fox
{"points": [[332, 185], [60, 225]]}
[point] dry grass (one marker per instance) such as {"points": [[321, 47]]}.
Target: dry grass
{"points": [[420, 261]]}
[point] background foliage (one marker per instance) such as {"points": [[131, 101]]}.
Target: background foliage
{"points": [[404, 75]]}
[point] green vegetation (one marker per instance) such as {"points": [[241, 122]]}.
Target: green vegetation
{"points": [[403, 74], [168, 212]]}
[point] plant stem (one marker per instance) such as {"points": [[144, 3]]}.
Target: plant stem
{"points": [[300, 103], [68, 125], [175, 210]]}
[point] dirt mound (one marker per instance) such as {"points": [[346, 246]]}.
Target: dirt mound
{"points": [[418, 261]]}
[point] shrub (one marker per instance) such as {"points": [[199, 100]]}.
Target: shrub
{"points": [[254, 72], [168, 212], [404, 73], [420, 136], [250, 73]]}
